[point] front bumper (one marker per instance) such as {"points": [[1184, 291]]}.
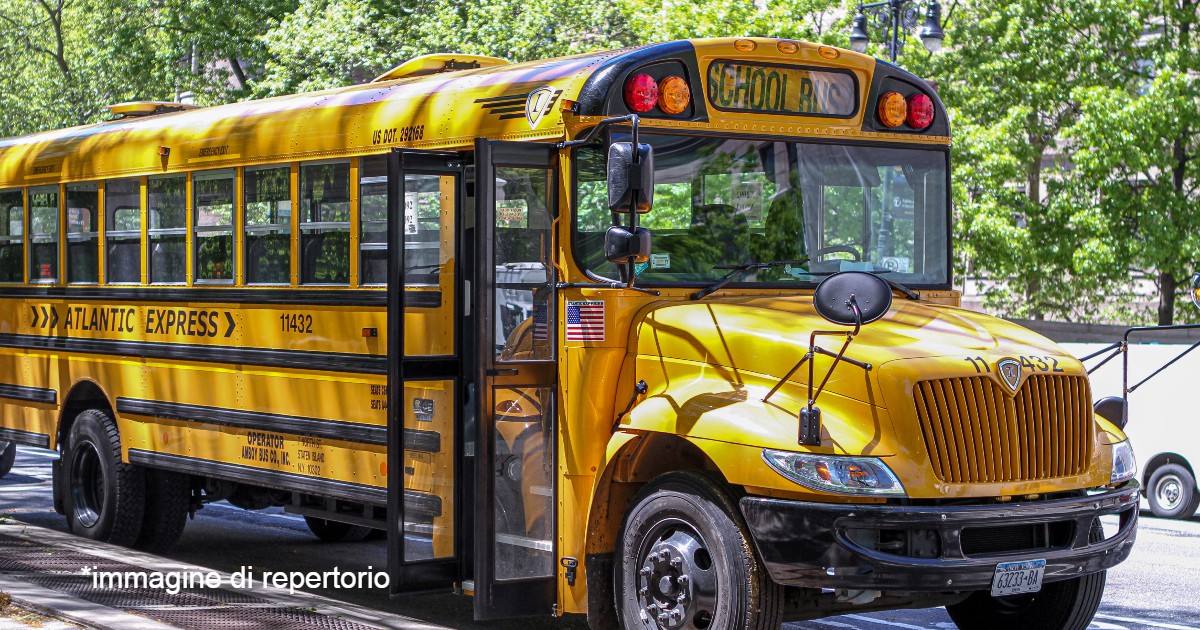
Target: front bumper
{"points": [[907, 548]]}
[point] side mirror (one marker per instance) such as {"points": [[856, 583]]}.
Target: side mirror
{"points": [[1112, 408], [627, 177], [852, 298], [1196, 290], [622, 246]]}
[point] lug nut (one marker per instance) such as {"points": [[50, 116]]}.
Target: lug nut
{"points": [[683, 580], [642, 592], [663, 619], [646, 571], [676, 562], [663, 555]]}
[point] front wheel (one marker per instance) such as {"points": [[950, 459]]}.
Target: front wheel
{"points": [[687, 561], [1066, 605], [1172, 492]]}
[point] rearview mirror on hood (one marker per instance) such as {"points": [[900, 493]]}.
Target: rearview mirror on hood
{"points": [[1196, 290], [852, 298]]}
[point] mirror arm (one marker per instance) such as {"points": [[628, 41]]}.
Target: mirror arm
{"points": [[587, 138]]}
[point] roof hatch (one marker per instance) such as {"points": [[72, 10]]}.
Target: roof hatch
{"points": [[440, 62], [133, 109]]}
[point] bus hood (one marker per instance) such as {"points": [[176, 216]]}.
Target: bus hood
{"points": [[709, 364]]}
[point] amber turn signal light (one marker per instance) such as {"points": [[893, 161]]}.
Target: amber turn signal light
{"points": [[893, 109]]}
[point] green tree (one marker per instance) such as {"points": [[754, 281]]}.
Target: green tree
{"points": [[1010, 71], [1136, 151]]}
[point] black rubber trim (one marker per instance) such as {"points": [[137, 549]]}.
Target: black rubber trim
{"points": [[890, 78], [603, 94], [424, 441], [28, 438], [261, 357], [215, 295], [29, 394], [259, 477], [296, 425]]}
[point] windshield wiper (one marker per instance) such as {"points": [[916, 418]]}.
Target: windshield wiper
{"points": [[737, 271], [908, 293]]}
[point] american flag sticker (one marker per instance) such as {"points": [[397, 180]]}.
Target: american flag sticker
{"points": [[585, 320], [541, 320]]}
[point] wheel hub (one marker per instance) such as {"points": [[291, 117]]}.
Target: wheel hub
{"points": [[1169, 491], [676, 583]]}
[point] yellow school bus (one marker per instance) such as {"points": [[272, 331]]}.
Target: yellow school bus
{"points": [[663, 335]]}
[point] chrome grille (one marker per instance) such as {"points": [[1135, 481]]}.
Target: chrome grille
{"points": [[975, 432]]}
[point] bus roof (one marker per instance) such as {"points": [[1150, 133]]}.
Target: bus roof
{"points": [[429, 111]]}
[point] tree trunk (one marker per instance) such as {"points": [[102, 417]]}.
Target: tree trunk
{"points": [[1033, 191], [1167, 284]]}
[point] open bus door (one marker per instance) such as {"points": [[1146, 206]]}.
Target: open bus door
{"points": [[514, 322], [425, 368]]}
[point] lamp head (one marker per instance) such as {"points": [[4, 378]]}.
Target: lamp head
{"points": [[858, 34], [931, 32]]}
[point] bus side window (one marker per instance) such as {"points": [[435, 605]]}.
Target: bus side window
{"points": [[268, 220], [43, 234], [83, 251], [122, 231], [167, 229], [372, 195], [325, 223], [12, 234], [213, 239]]}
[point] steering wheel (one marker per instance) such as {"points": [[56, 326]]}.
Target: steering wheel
{"points": [[833, 249]]}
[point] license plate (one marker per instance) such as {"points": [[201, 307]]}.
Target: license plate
{"points": [[1018, 577]]}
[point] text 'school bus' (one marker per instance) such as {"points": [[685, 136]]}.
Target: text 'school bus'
{"points": [[662, 335]]}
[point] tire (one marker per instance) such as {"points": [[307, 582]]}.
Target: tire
{"points": [[8, 456], [336, 531], [168, 499], [1172, 492], [691, 519], [105, 498], [1066, 605]]}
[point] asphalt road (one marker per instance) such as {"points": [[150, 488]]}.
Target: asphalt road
{"points": [[1158, 587]]}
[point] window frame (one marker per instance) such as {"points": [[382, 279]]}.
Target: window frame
{"points": [[8, 240]]}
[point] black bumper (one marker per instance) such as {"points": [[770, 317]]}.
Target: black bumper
{"points": [[905, 548]]}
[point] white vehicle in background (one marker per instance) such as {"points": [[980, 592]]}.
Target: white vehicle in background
{"points": [[1163, 421]]}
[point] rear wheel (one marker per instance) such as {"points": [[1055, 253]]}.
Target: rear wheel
{"points": [[1172, 492], [168, 498], [336, 531], [105, 498], [8, 456], [1066, 605], [687, 561]]}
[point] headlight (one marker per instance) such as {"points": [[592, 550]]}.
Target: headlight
{"points": [[1124, 465], [836, 473]]}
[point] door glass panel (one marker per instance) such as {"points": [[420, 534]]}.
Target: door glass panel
{"points": [[428, 469], [429, 268], [523, 491], [522, 261]]}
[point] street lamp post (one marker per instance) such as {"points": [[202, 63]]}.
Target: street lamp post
{"points": [[896, 17]]}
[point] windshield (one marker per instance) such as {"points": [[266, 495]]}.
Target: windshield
{"points": [[721, 202]]}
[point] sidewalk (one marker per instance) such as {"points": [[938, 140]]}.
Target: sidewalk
{"points": [[52, 573]]}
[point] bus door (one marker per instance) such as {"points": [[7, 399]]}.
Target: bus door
{"points": [[425, 368], [515, 199]]}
